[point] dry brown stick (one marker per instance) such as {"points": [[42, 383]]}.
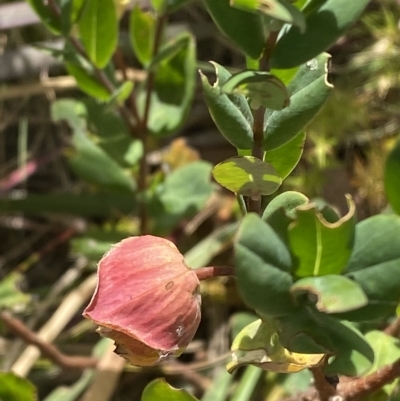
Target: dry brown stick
{"points": [[61, 317], [47, 349]]}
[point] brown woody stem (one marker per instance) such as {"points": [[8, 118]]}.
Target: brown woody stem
{"points": [[47, 349], [204, 273], [324, 389]]}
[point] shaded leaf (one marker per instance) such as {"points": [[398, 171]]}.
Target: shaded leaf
{"points": [[231, 114], [321, 247], [326, 21], [174, 87], [242, 28], [83, 204], [261, 87], [160, 390], [308, 91], [146, 300], [46, 15], [375, 266], [310, 331], [98, 28], [247, 175], [334, 293], [277, 9], [263, 265]]}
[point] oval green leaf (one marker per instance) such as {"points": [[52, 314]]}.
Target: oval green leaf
{"points": [[263, 265], [277, 9], [231, 114], [308, 91], [261, 87], [325, 23], [335, 293], [320, 247], [247, 175], [98, 29], [142, 32], [392, 178], [242, 28], [159, 389]]}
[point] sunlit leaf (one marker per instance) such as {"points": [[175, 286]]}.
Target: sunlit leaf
{"points": [[98, 28], [247, 176], [321, 247], [14, 388], [258, 344]]}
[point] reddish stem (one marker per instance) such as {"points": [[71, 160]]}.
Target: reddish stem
{"points": [[204, 273]]}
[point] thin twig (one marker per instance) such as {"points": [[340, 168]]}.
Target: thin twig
{"points": [[71, 304], [324, 389], [143, 127], [363, 386], [394, 328], [47, 349], [204, 273]]}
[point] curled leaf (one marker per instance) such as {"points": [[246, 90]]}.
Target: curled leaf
{"points": [[146, 300]]}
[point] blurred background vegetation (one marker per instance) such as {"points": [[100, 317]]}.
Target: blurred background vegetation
{"points": [[55, 223]]}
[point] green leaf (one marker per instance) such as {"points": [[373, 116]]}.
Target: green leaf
{"points": [[375, 266], [286, 157], [277, 9], [122, 93], [112, 133], [334, 293], [311, 331], [240, 320], [160, 390], [91, 163], [142, 32], [11, 297], [174, 87], [87, 82], [263, 265], [231, 114], [321, 247], [88, 159], [162, 6], [98, 28], [325, 23], [308, 91], [242, 28], [387, 351], [281, 211], [182, 195], [14, 388], [392, 178], [247, 175], [261, 87], [258, 344], [83, 204], [46, 15], [70, 11]]}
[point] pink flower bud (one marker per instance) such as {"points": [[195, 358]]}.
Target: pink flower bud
{"points": [[147, 300]]}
